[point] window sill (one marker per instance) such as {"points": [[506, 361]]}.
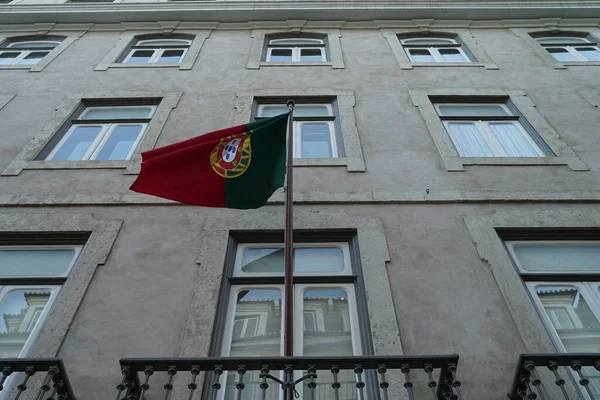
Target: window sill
{"points": [[162, 65], [320, 162], [17, 66], [295, 64], [16, 169], [458, 163], [564, 65], [434, 64]]}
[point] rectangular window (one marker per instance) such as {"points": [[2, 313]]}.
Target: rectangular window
{"points": [[103, 133], [569, 305], [171, 50], [436, 50], [296, 49], [326, 316], [315, 130], [25, 306], [488, 130]]}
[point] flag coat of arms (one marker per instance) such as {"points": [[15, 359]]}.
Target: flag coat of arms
{"points": [[238, 167]]}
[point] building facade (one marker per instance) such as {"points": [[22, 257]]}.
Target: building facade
{"points": [[447, 172]]}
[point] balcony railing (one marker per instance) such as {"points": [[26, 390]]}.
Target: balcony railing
{"points": [[538, 376], [53, 383], [315, 378]]}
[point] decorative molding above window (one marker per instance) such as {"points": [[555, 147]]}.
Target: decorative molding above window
{"points": [[38, 153], [281, 48], [514, 116], [436, 49], [137, 49], [347, 141], [31, 50], [559, 48]]}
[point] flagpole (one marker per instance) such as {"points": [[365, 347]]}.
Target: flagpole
{"points": [[289, 252]]}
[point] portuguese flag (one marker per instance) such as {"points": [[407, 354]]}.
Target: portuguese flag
{"points": [[238, 167]]}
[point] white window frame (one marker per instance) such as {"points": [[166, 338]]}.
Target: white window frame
{"points": [[485, 131], [570, 47], [433, 50], [298, 127], [75, 248], [512, 243], [296, 49], [25, 52], [158, 50], [237, 269], [104, 134]]}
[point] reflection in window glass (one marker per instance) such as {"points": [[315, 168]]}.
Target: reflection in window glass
{"points": [[561, 54], [140, 57], [7, 57], [171, 56], [513, 140], [311, 55], [590, 53], [281, 55], [78, 143], [465, 110], [468, 140], [46, 262], [558, 257], [256, 332], [119, 144], [21, 311], [33, 58], [316, 141], [314, 259], [452, 55], [421, 55], [118, 113]]}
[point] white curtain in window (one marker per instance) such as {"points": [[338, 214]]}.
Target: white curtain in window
{"points": [[513, 140], [468, 140]]}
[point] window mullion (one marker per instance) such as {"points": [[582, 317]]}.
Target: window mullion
{"points": [[436, 54], [101, 138], [492, 142], [332, 138], [297, 139]]}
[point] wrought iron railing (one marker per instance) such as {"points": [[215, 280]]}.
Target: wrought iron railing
{"points": [[53, 382], [314, 378], [538, 376]]}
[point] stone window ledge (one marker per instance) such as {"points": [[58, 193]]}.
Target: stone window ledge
{"points": [[450, 157], [295, 64], [411, 65], [26, 159], [164, 65]]}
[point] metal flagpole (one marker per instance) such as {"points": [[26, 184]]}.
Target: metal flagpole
{"points": [[288, 335]]}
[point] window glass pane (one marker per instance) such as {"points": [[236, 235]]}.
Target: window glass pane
{"points": [[561, 54], [472, 110], [27, 45], [256, 332], [281, 55], [118, 113], [140, 57], [561, 39], [164, 42], [585, 330], [171, 56], [78, 143], [301, 110], [311, 55], [306, 259], [296, 41], [33, 58], [421, 55], [331, 336], [452, 55], [21, 310], [7, 57], [513, 140], [316, 141], [558, 257], [42, 262], [468, 140], [120, 142], [428, 41], [590, 53]]}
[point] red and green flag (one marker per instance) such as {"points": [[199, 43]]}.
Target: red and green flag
{"points": [[238, 167]]}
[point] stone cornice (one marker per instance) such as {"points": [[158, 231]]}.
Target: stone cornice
{"points": [[314, 10], [425, 196]]}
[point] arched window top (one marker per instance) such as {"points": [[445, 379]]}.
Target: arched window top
{"points": [[28, 42], [296, 41], [428, 41], [164, 42], [27, 50], [569, 46], [562, 40]]}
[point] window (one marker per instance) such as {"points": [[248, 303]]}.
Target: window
{"points": [[163, 50], [25, 306], [102, 133], [27, 51], [568, 304], [436, 50], [570, 48], [489, 130], [314, 128], [326, 314], [296, 49]]}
